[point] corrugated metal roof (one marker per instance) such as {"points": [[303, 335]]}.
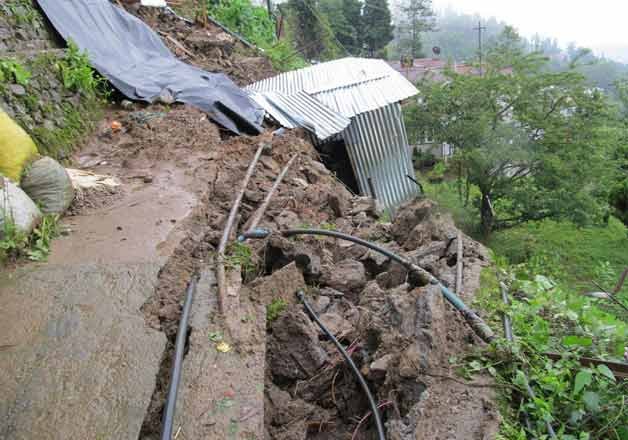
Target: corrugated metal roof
{"points": [[301, 110], [349, 86]]}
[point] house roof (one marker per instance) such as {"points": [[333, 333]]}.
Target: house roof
{"points": [[339, 90], [431, 68]]}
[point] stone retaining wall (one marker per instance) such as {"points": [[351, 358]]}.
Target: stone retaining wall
{"points": [[54, 115]]}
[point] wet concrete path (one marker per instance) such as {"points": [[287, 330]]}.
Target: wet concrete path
{"points": [[77, 358]]}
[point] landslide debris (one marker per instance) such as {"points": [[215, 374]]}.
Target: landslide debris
{"points": [[206, 46], [400, 334]]}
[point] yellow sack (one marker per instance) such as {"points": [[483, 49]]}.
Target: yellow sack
{"points": [[16, 148]]}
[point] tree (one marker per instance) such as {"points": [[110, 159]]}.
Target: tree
{"points": [[531, 140], [619, 190], [377, 30], [344, 17], [311, 30], [416, 18]]}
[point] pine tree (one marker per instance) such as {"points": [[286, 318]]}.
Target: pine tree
{"points": [[377, 30], [417, 17]]}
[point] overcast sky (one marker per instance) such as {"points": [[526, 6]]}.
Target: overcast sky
{"points": [[591, 23]]}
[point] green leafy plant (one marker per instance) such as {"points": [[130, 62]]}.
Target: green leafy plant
{"points": [[77, 73], [36, 247], [23, 12], [13, 243], [579, 402], [274, 309], [42, 236], [12, 70], [240, 255]]}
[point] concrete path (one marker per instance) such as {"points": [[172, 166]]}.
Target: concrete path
{"points": [[77, 358]]}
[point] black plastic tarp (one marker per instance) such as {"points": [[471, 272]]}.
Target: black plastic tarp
{"points": [[135, 60]]}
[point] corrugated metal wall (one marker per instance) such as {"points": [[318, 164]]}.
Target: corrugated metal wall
{"points": [[378, 148]]}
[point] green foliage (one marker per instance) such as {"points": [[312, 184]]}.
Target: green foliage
{"points": [[377, 30], [283, 57], [16, 245], [274, 309], [77, 73], [240, 255], [256, 26], [579, 402], [252, 22], [532, 141], [12, 70], [345, 19], [311, 31], [59, 142], [571, 254], [456, 37], [42, 237], [619, 189], [23, 12]]}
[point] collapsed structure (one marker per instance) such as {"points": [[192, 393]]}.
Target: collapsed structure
{"points": [[352, 103]]}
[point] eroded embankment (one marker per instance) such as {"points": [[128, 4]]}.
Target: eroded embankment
{"points": [[400, 333]]}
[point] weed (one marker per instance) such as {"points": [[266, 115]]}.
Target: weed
{"points": [[215, 337], [385, 217], [23, 12], [12, 70], [239, 254], [15, 244], [42, 237], [328, 226], [77, 73], [274, 309]]}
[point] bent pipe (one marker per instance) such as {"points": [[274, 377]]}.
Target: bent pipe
{"points": [[354, 368], [177, 363], [475, 322]]}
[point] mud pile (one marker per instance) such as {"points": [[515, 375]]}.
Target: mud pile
{"points": [[206, 46]]}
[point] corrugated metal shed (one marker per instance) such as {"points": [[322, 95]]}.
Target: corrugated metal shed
{"points": [[301, 110], [359, 99]]}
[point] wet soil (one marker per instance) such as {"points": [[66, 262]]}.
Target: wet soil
{"points": [[207, 46]]}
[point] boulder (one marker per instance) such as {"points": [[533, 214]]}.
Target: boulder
{"points": [[17, 208], [48, 184], [294, 350], [346, 276]]}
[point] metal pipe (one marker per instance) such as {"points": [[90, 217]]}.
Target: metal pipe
{"points": [[259, 214], [475, 322], [459, 264], [177, 362], [505, 317], [221, 277], [356, 371]]}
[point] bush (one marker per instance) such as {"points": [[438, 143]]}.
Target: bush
{"points": [[255, 25]]}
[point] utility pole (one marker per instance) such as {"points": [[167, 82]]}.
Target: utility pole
{"points": [[480, 28]]}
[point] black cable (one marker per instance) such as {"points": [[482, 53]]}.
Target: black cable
{"points": [[473, 319], [177, 363], [291, 232], [356, 371]]}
